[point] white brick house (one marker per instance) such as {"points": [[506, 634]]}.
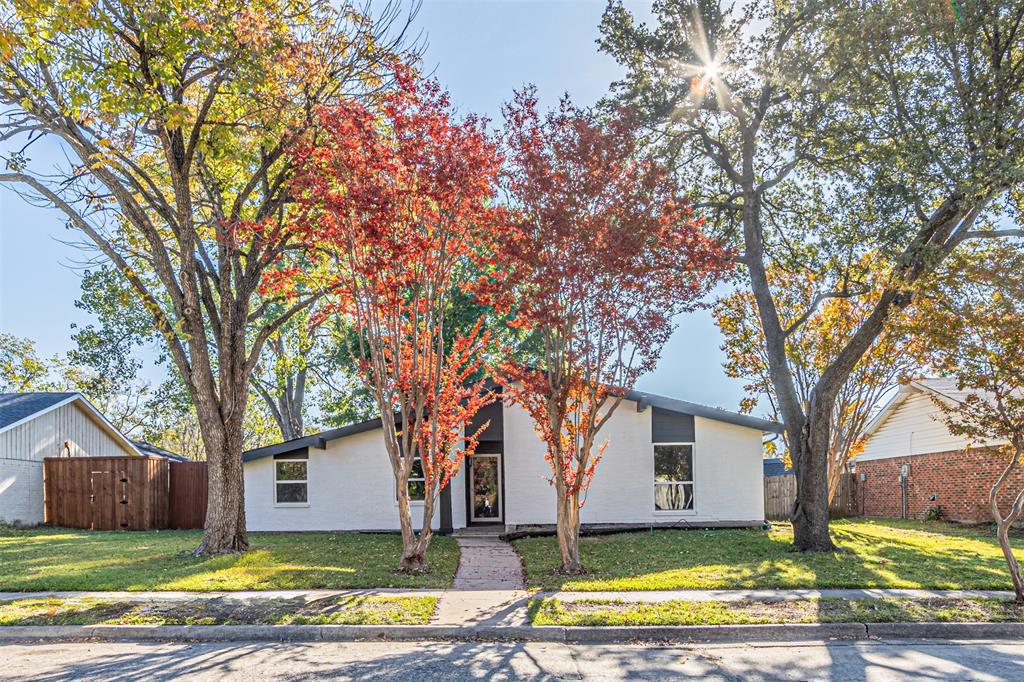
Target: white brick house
{"points": [[668, 462]]}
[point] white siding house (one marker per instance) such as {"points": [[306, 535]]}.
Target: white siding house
{"points": [[911, 423], [38, 425], [708, 472]]}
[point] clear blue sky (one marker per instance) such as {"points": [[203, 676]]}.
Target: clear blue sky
{"points": [[481, 50]]}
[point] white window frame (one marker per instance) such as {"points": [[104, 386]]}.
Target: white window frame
{"points": [[305, 481], [693, 469], [412, 479]]}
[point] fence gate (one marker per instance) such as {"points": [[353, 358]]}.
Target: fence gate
{"points": [[106, 493], [779, 496], [103, 500]]}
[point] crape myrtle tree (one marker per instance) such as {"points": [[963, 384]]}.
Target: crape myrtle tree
{"points": [[809, 349], [603, 251], [812, 133], [175, 117], [402, 194], [971, 316]]}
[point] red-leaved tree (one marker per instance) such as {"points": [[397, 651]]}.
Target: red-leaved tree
{"points": [[602, 253], [400, 193]]}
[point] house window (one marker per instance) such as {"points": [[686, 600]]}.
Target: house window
{"points": [[673, 477], [291, 485], [417, 481]]}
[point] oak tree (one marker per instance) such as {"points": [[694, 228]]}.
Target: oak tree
{"points": [[175, 117], [896, 354], [812, 133]]}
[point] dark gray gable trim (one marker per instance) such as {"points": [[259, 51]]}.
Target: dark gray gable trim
{"points": [[494, 416], [318, 440], [671, 427], [645, 400]]}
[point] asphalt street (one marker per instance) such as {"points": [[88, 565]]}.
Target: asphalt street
{"points": [[838, 660]]}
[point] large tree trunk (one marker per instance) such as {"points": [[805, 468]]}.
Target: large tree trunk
{"points": [[810, 455], [225, 531], [568, 531]]}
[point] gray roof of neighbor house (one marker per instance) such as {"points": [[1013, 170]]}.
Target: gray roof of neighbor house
{"points": [[152, 450], [943, 387], [775, 466], [19, 408], [15, 407], [642, 399]]}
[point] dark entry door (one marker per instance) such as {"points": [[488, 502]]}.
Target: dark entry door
{"points": [[485, 488]]}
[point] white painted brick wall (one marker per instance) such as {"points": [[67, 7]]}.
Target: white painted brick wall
{"points": [[21, 491], [350, 483], [727, 469], [351, 487]]}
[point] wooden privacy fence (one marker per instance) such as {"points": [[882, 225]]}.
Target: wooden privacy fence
{"points": [[188, 489], [123, 493], [780, 495]]}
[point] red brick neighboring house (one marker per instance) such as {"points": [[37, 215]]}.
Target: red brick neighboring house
{"points": [[912, 464]]}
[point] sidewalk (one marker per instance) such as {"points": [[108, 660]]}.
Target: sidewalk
{"points": [[489, 589], [508, 607]]}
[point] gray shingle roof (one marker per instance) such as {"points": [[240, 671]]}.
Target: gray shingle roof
{"points": [[150, 449], [17, 406]]}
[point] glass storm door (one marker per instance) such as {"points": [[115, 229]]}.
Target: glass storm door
{"points": [[485, 479]]}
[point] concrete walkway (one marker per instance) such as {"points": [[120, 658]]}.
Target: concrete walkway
{"points": [[489, 588]]}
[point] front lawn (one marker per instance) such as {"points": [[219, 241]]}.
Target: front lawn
{"points": [[64, 560], [369, 610], [886, 610], [882, 553]]}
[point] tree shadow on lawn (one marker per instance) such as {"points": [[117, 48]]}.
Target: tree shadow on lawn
{"points": [[902, 563], [121, 560], [731, 559]]}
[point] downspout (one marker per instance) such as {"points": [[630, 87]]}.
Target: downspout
{"points": [[904, 482]]}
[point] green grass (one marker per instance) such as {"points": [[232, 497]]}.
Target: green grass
{"points": [[369, 610], [64, 560], [880, 554], [607, 613]]}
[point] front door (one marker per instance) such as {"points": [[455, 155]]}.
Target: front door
{"points": [[485, 488]]}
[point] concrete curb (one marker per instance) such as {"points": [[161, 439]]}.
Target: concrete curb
{"points": [[718, 633], [946, 630], [484, 633]]}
